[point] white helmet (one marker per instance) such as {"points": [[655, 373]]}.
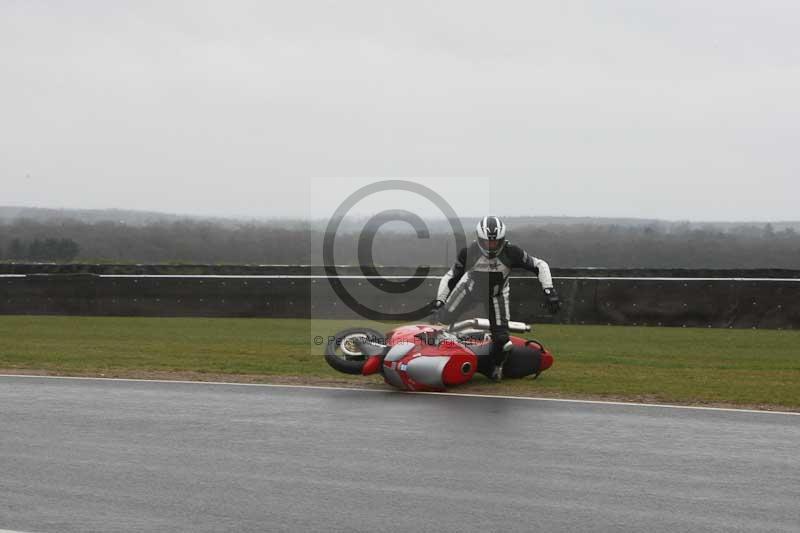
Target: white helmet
{"points": [[491, 233]]}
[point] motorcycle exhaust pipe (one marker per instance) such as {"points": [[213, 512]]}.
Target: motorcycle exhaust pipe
{"points": [[483, 324]]}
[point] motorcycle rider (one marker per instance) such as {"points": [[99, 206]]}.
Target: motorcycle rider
{"points": [[481, 272]]}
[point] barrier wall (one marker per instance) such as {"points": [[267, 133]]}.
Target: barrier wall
{"points": [[261, 270], [735, 299]]}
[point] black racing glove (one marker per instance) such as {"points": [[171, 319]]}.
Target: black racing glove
{"points": [[551, 300], [436, 307]]}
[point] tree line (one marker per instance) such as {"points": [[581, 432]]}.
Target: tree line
{"points": [[49, 249], [298, 242]]}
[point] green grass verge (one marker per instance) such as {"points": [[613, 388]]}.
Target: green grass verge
{"points": [[743, 367]]}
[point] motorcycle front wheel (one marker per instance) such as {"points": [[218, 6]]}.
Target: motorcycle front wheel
{"points": [[342, 352]]}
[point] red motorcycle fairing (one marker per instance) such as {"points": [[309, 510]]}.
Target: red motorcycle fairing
{"points": [[417, 359], [546, 358], [405, 366], [414, 333], [372, 366]]}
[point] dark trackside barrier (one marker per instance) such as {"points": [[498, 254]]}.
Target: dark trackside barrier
{"points": [[723, 299], [265, 270]]}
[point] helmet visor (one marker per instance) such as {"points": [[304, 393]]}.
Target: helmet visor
{"points": [[491, 245]]}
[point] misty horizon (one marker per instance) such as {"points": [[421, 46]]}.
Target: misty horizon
{"points": [[668, 111], [11, 212]]}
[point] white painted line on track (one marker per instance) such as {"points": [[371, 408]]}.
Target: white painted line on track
{"points": [[10, 531], [394, 391]]}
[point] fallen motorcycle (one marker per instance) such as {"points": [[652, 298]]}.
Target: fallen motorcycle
{"points": [[426, 357]]}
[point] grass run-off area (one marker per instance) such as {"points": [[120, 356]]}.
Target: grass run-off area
{"points": [[681, 365]]}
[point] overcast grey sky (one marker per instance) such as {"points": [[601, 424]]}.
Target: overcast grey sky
{"points": [[678, 109]]}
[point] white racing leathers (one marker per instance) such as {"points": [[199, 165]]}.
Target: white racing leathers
{"points": [[475, 277]]}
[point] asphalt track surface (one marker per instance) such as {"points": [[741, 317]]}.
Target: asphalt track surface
{"points": [[94, 455]]}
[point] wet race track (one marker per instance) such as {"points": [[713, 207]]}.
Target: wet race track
{"points": [[101, 455]]}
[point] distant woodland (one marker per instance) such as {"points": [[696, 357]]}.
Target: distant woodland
{"points": [[563, 243]]}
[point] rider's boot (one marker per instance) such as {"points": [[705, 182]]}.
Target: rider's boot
{"points": [[497, 373], [499, 361]]}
